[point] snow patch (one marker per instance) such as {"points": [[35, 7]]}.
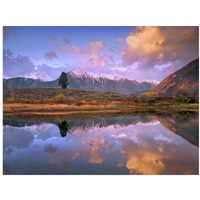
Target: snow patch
{"points": [[37, 75], [80, 73], [154, 82]]}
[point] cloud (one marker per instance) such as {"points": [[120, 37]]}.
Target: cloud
{"points": [[8, 52], [155, 156], [49, 37], [17, 138], [19, 65], [93, 150], [53, 72], [16, 65], [83, 52], [6, 31], [122, 69], [109, 57], [160, 45], [98, 45], [120, 40], [112, 50], [50, 148], [158, 72], [66, 40], [96, 58], [50, 55]]}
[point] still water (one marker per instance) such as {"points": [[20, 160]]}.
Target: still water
{"points": [[121, 144]]}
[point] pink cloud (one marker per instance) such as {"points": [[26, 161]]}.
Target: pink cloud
{"points": [[120, 40], [82, 52], [98, 45], [109, 57], [94, 55], [160, 45]]}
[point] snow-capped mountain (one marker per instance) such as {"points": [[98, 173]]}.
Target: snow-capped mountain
{"points": [[83, 73], [80, 78], [37, 75], [80, 73]]}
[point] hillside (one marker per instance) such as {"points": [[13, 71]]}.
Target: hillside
{"points": [[22, 94], [185, 79]]}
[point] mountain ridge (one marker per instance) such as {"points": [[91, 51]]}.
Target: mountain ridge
{"points": [[35, 75], [185, 79], [82, 79]]}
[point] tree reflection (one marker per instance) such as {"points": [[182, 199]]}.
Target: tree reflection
{"points": [[63, 127]]}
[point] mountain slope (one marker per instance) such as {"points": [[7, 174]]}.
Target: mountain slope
{"points": [[186, 126], [185, 79]]}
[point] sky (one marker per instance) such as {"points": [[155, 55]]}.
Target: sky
{"points": [[135, 52]]}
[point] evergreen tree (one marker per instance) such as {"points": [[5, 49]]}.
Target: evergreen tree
{"points": [[63, 80]]}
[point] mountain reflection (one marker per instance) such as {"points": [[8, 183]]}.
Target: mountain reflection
{"points": [[130, 144]]}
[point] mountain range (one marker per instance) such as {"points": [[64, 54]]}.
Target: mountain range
{"points": [[82, 79], [185, 79], [35, 75]]}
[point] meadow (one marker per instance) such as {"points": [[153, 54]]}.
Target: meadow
{"points": [[55, 100]]}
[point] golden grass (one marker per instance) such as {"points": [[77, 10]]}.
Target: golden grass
{"points": [[26, 107], [93, 106]]}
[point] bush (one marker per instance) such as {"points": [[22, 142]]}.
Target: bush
{"points": [[60, 98], [79, 103], [182, 98], [10, 100]]}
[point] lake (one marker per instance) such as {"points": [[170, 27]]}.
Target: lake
{"points": [[137, 144]]}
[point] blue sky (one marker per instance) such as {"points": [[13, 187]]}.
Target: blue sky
{"points": [[134, 52]]}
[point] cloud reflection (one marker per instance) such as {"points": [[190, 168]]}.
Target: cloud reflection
{"points": [[120, 145]]}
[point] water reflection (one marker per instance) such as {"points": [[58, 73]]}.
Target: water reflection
{"points": [[63, 127], [130, 144]]}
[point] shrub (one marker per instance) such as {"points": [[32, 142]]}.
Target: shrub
{"points": [[79, 103], [60, 98], [182, 98], [10, 100]]}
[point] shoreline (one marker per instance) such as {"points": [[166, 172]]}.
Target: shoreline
{"points": [[56, 109]]}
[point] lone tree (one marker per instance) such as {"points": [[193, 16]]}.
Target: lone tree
{"points": [[63, 80]]}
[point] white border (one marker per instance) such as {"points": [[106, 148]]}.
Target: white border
{"points": [[104, 12]]}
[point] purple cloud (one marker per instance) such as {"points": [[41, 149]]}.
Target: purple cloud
{"points": [[49, 37], [6, 31], [66, 40], [16, 65], [50, 55]]}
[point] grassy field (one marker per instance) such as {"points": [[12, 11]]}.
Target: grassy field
{"points": [[119, 108], [39, 95], [55, 100]]}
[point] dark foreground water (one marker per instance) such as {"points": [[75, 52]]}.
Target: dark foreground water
{"points": [[130, 144]]}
